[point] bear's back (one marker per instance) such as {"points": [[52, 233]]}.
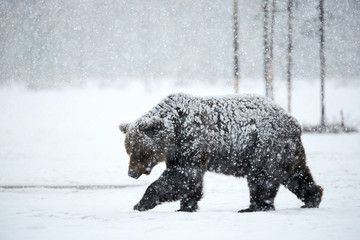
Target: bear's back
{"points": [[219, 117], [251, 110]]}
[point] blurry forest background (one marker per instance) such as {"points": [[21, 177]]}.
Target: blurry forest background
{"points": [[46, 43]]}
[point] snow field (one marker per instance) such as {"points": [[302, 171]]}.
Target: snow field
{"points": [[70, 137]]}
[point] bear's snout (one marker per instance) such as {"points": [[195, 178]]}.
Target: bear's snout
{"points": [[134, 174]]}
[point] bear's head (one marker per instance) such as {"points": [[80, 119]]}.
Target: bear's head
{"points": [[146, 142]]}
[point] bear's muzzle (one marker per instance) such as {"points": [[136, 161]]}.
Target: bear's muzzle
{"points": [[134, 174]]}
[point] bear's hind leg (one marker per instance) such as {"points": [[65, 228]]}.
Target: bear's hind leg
{"points": [[262, 193], [300, 181], [302, 184]]}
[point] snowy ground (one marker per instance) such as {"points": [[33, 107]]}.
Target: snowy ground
{"points": [[69, 137]]}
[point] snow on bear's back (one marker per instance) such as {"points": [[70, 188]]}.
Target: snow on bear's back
{"points": [[240, 109], [227, 112], [264, 112]]}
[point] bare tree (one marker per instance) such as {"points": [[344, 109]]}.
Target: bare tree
{"points": [[271, 47], [266, 46], [289, 56], [322, 62], [236, 51]]}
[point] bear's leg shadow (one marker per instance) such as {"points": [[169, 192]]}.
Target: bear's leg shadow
{"points": [[263, 190], [174, 184], [302, 184]]}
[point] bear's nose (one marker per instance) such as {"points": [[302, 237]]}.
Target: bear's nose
{"points": [[133, 174]]}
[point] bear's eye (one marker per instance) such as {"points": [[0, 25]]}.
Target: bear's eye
{"points": [[152, 131]]}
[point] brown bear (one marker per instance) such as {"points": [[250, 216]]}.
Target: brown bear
{"points": [[240, 135]]}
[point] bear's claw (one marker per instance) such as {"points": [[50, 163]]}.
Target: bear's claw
{"points": [[139, 208], [257, 209]]}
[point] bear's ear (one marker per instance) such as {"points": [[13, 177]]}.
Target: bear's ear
{"points": [[152, 126], [124, 127]]}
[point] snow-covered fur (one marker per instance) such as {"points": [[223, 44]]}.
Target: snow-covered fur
{"points": [[244, 136]]}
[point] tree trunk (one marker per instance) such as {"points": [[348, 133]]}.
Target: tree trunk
{"points": [[266, 46], [236, 51], [271, 64], [290, 48], [322, 62]]}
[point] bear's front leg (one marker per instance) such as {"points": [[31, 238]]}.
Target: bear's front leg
{"points": [[149, 200], [263, 190], [174, 184], [190, 202]]}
